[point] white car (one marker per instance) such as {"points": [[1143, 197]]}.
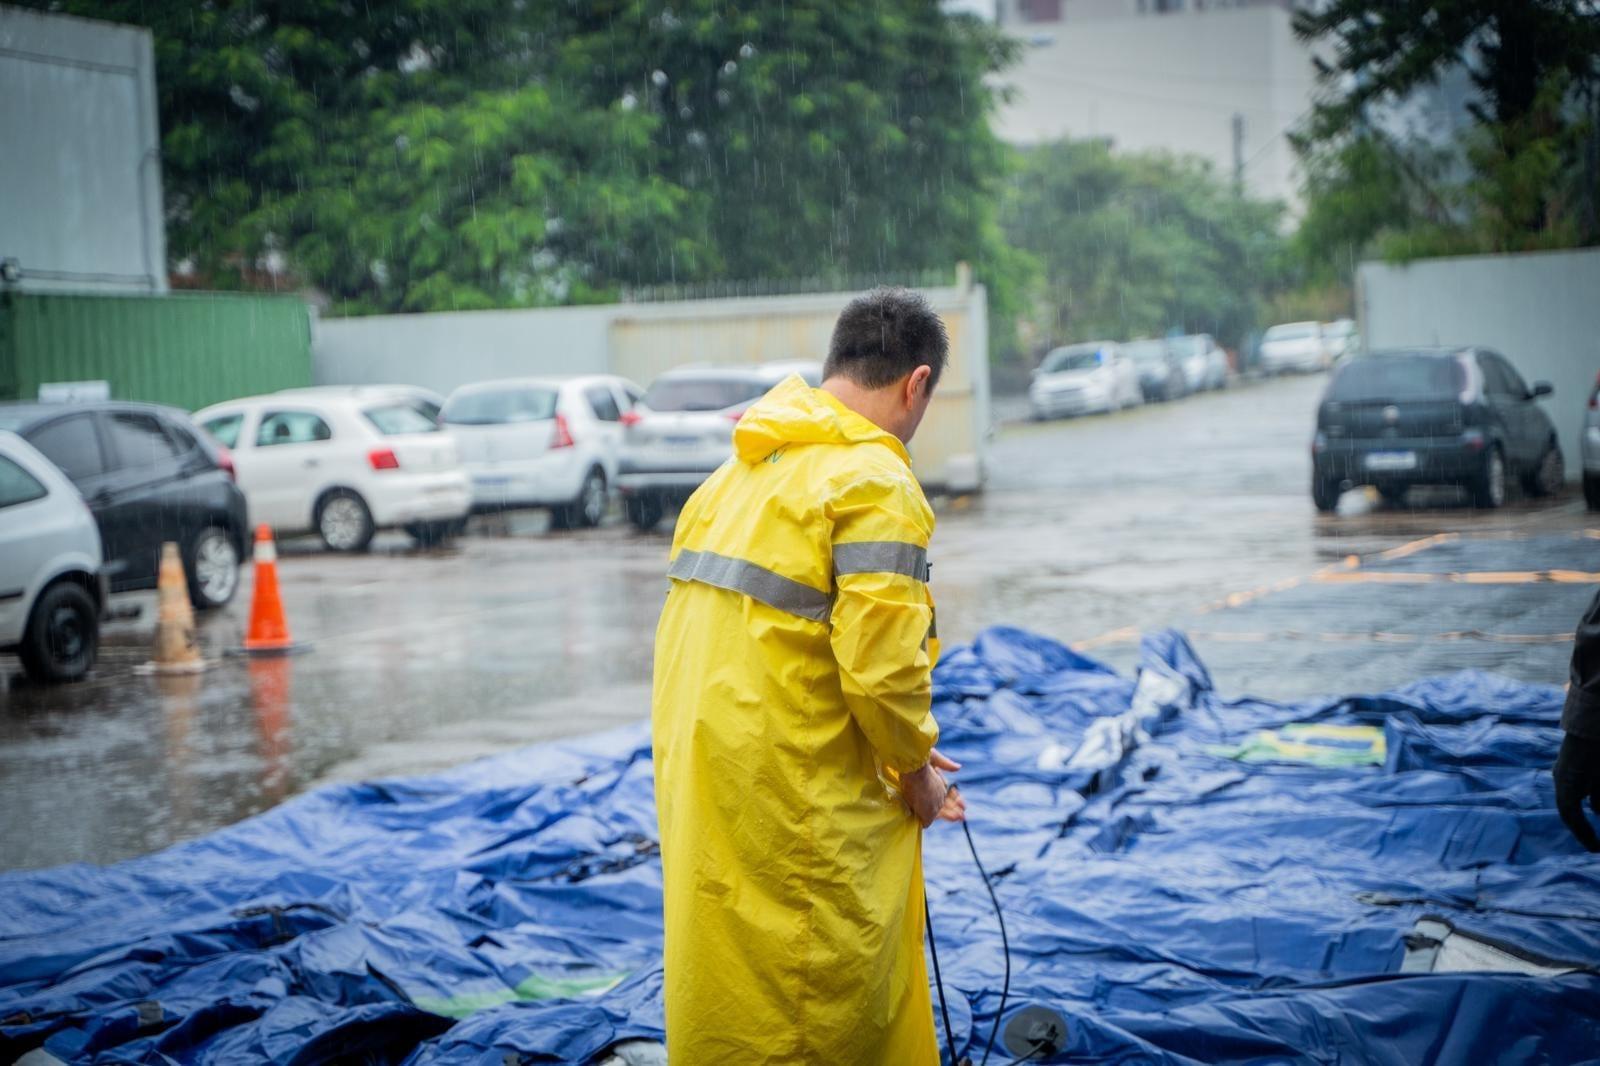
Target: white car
{"points": [[52, 589], [542, 442], [1084, 378], [425, 400], [1296, 346], [342, 466], [682, 430], [1205, 364], [1341, 340]]}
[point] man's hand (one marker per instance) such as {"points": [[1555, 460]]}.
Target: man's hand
{"points": [[929, 796], [1577, 774]]}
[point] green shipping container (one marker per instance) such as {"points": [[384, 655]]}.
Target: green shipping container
{"points": [[186, 349]]}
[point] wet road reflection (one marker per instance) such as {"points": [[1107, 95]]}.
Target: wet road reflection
{"points": [[420, 660]]}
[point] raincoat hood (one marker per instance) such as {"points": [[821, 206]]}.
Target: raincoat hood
{"points": [[795, 413]]}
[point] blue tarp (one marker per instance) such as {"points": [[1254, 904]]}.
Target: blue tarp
{"points": [[1176, 905]]}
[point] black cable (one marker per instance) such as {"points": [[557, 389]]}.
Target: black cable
{"points": [[938, 978], [1025, 1058], [1005, 989]]}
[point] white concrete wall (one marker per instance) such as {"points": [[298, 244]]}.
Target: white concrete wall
{"points": [[1540, 310], [80, 163], [443, 350], [1170, 82], [449, 348]]}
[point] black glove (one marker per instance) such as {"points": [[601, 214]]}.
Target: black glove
{"points": [[1577, 774]]}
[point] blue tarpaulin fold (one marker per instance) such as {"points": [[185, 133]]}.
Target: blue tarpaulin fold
{"points": [[1175, 904]]}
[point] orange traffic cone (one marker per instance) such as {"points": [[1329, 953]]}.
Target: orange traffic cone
{"points": [[175, 650], [269, 629]]}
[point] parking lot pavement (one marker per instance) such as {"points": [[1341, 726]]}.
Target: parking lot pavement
{"points": [[1195, 513]]}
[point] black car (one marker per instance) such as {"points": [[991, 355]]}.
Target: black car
{"points": [[149, 476], [1160, 370], [1436, 416]]}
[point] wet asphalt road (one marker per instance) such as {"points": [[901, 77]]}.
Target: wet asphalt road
{"points": [[1195, 513]]}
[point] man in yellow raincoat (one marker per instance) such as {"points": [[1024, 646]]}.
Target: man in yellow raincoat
{"points": [[793, 741]]}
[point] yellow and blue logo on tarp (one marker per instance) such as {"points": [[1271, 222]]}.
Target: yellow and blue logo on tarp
{"points": [[1313, 744]]}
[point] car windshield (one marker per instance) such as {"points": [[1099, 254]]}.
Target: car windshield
{"points": [[701, 393], [1068, 359], [1145, 351], [492, 407], [1394, 378], [1299, 331], [393, 419]]}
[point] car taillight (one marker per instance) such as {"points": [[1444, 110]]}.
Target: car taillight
{"points": [[383, 459], [631, 418], [734, 416], [225, 460], [562, 437], [1594, 397]]}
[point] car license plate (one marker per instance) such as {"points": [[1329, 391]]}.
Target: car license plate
{"points": [[680, 442], [1392, 461], [490, 482]]}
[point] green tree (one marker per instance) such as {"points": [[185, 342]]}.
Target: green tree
{"points": [[1536, 65], [412, 154], [1140, 244], [1359, 192]]}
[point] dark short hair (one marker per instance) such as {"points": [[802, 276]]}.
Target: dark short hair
{"points": [[884, 335]]}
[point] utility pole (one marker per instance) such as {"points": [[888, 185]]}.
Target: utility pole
{"points": [[1238, 154]]}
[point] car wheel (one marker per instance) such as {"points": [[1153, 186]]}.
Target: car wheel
{"points": [[1546, 478], [588, 509], [432, 534], [344, 522], [213, 568], [1489, 489], [1591, 491], [644, 512], [1325, 493], [62, 636]]}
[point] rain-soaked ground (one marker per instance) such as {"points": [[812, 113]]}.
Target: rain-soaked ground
{"points": [[1195, 513]]}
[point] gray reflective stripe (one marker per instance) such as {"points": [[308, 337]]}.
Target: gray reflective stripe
{"points": [[881, 557], [757, 582]]}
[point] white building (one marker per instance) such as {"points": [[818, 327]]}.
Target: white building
{"points": [[80, 162], [1224, 80]]}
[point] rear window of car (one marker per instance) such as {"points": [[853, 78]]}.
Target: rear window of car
{"points": [[17, 485], [701, 394], [1066, 359], [1397, 378], [393, 419], [493, 407], [139, 440]]}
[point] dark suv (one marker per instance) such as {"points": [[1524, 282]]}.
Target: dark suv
{"points": [[149, 476], [1437, 416]]}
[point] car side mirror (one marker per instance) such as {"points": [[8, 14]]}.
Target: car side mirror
{"points": [[1540, 388]]}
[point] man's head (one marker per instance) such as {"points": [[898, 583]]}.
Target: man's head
{"points": [[887, 352]]}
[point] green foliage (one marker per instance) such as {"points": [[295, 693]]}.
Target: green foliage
{"points": [[1533, 181], [1140, 244], [416, 154], [1358, 192]]}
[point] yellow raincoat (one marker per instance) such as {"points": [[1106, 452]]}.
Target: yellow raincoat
{"points": [[791, 689]]}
